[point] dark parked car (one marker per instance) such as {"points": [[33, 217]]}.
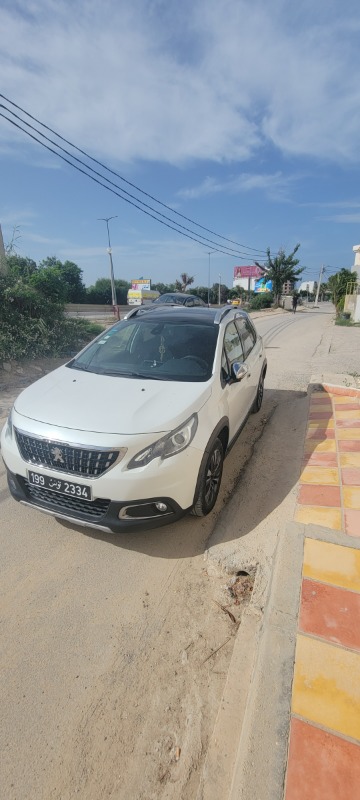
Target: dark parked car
{"points": [[179, 299]]}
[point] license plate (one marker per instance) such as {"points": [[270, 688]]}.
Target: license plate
{"points": [[59, 485]]}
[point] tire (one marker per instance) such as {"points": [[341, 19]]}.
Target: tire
{"points": [[259, 395], [209, 480]]}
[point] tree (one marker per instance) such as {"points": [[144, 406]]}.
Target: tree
{"points": [[279, 270], [185, 281], [75, 291], [339, 285], [21, 266]]}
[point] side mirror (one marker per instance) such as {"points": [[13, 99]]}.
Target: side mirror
{"points": [[239, 370]]}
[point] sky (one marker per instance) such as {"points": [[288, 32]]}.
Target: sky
{"points": [[243, 116]]}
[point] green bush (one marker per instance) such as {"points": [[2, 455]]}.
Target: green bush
{"points": [[261, 300], [33, 323], [35, 338]]}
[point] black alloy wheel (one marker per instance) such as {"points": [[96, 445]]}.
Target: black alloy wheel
{"points": [[259, 395], [210, 480]]}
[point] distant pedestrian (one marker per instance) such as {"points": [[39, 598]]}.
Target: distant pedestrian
{"points": [[294, 302]]}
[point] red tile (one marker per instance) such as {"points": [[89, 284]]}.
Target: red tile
{"points": [[321, 459], [320, 399], [349, 446], [350, 476], [315, 495], [321, 766], [320, 414], [330, 612], [352, 521], [348, 423], [347, 406]]}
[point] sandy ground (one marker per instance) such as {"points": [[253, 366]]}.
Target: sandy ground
{"points": [[116, 649]]}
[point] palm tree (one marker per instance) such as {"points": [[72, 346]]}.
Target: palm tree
{"points": [[279, 270], [185, 281]]}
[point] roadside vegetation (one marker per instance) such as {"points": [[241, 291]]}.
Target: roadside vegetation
{"points": [[32, 319]]}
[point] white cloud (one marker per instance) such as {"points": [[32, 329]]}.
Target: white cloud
{"points": [[274, 185], [345, 218], [173, 82]]}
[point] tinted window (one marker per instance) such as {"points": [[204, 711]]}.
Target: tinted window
{"points": [[247, 334]]}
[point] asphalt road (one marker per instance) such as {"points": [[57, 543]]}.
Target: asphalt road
{"points": [[109, 683]]}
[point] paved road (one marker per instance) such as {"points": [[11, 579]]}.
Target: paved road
{"points": [[107, 685]]}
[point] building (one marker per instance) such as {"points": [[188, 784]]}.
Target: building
{"points": [[308, 286], [288, 287]]}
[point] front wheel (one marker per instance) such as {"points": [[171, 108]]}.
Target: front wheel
{"points": [[210, 480], [259, 395]]}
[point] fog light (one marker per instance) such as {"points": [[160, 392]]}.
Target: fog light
{"points": [[161, 506]]}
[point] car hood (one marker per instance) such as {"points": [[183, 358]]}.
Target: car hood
{"points": [[85, 401]]}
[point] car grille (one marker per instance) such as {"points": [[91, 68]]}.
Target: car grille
{"points": [[65, 504], [65, 457]]}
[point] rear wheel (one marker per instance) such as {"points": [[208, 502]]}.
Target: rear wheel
{"points": [[210, 480], [259, 395]]}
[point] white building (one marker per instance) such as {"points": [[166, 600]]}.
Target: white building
{"points": [[307, 286]]}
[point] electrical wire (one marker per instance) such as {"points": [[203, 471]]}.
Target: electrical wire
{"points": [[103, 166], [232, 252], [223, 250]]}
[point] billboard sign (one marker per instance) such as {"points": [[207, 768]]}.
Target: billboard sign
{"points": [[263, 286], [141, 283], [251, 271]]}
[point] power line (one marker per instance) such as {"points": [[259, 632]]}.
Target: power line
{"points": [[220, 249], [103, 166]]}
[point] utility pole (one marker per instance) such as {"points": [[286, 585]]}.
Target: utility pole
{"points": [[209, 254], [112, 280], [318, 286], [219, 293]]}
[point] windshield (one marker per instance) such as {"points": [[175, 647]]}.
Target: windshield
{"points": [[139, 348]]}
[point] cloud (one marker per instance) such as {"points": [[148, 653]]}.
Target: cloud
{"points": [[275, 185], [162, 81]]}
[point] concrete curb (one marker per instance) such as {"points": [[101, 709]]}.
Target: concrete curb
{"points": [[262, 752], [335, 384], [248, 750]]}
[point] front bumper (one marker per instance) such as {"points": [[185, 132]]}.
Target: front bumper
{"points": [[101, 513]]}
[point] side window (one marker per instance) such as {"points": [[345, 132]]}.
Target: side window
{"points": [[232, 344], [190, 302], [247, 335]]}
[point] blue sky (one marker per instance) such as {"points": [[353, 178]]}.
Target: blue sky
{"points": [[241, 115]]}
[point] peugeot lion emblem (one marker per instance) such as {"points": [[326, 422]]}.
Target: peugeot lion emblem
{"points": [[58, 456]]}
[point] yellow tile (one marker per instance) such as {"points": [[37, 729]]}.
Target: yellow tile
{"points": [[320, 446], [343, 400], [320, 407], [321, 423], [348, 415], [348, 433], [320, 475], [332, 563], [350, 459], [326, 688], [351, 495], [318, 515]]}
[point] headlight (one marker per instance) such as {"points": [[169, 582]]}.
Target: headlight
{"points": [[171, 444], [9, 428]]}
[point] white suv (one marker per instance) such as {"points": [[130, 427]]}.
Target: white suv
{"points": [[132, 432]]}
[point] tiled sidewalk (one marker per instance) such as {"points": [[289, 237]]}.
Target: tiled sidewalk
{"points": [[330, 481], [324, 750]]}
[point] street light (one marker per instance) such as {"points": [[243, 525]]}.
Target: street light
{"points": [[209, 254], [219, 296], [112, 280]]}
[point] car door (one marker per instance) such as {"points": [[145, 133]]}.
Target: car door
{"points": [[235, 392], [253, 356]]}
